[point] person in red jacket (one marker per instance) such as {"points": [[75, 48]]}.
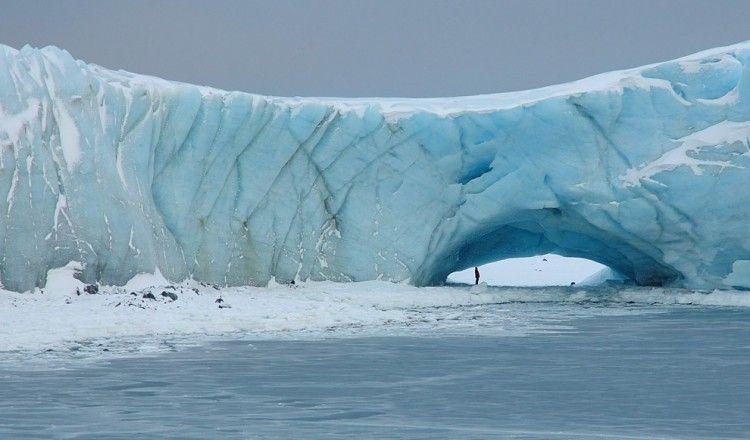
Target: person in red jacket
{"points": [[476, 275]]}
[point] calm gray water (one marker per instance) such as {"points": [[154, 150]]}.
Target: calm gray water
{"points": [[680, 372]]}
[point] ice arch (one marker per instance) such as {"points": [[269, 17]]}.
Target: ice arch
{"points": [[644, 170], [549, 232]]}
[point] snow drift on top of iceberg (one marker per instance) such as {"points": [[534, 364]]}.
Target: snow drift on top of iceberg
{"points": [[644, 170]]}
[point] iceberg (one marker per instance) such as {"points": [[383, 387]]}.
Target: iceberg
{"points": [[643, 170]]}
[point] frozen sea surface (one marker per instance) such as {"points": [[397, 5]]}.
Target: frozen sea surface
{"points": [[518, 370]]}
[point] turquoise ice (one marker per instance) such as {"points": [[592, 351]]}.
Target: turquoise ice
{"points": [[644, 170]]}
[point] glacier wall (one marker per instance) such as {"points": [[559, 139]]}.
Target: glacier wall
{"points": [[644, 170]]}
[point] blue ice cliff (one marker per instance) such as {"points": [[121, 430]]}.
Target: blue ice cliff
{"points": [[644, 170]]}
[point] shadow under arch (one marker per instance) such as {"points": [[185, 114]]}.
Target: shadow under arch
{"points": [[546, 231]]}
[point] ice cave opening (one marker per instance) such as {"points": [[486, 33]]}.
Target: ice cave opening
{"points": [[539, 270]]}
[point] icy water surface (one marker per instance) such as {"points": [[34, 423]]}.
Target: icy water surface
{"points": [[617, 372]]}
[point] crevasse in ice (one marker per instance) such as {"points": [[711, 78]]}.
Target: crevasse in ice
{"points": [[644, 170]]}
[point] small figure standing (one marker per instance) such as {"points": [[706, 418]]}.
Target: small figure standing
{"points": [[476, 275]]}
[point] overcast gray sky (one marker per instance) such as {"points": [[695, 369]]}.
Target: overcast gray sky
{"points": [[374, 48]]}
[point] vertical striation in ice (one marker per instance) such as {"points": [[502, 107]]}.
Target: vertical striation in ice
{"points": [[644, 170]]}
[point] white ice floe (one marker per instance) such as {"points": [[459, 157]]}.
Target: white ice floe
{"points": [[57, 315]]}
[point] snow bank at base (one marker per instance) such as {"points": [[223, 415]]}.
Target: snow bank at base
{"points": [[50, 318], [64, 280]]}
